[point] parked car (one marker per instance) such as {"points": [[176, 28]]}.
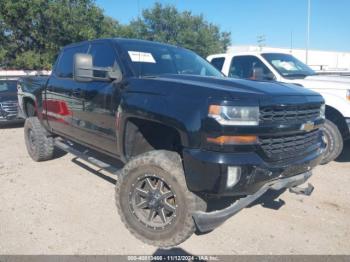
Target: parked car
{"points": [[183, 131], [287, 69], [8, 101]]}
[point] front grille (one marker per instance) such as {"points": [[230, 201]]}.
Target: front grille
{"points": [[290, 113], [9, 109], [289, 146]]}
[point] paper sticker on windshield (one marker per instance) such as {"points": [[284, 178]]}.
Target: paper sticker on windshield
{"points": [[289, 66], [141, 57]]}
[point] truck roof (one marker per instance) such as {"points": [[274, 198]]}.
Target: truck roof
{"points": [[226, 55], [120, 40]]}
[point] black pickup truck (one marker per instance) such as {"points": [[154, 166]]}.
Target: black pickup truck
{"points": [[184, 133]]}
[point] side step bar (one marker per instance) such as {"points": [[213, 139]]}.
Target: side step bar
{"points": [[85, 155], [306, 191]]}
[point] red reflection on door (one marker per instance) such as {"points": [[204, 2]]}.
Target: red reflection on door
{"points": [[58, 107]]}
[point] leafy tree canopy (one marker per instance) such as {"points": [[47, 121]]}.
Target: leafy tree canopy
{"points": [[166, 24], [33, 31]]}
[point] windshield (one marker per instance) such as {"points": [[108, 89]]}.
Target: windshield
{"points": [[8, 86], [288, 65], [149, 59]]}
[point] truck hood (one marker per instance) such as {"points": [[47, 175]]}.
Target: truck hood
{"points": [[330, 78], [324, 82], [237, 85], [8, 96]]}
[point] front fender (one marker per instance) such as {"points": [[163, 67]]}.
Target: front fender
{"points": [[337, 100], [183, 115]]}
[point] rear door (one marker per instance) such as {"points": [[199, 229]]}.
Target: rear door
{"points": [[96, 117], [61, 100]]}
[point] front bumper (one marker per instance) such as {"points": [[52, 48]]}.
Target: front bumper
{"points": [[207, 171], [348, 122], [9, 112], [5, 122], [209, 221], [6, 119]]}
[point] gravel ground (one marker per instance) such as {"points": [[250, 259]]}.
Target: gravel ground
{"points": [[66, 207]]}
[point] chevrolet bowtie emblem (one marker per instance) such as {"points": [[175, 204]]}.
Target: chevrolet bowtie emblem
{"points": [[307, 126]]}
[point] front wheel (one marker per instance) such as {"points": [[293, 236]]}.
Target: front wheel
{"points": [[334, 142], [153, 200]]}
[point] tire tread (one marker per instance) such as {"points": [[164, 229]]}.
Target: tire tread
{"points": [[44, 144], [169, 161]]}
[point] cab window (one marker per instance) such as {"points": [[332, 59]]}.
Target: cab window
{"points": [[65, 64], [218, 62], [8, 86], [249, 67], [103, 55]]}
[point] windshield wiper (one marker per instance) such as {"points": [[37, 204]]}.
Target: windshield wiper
{"points": [[149, 76], [297, 75]]}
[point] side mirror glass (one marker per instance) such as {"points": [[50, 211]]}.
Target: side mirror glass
{"points": [[270, 76], [84, 71], [115, 73], [82, 68], [258, 73]]}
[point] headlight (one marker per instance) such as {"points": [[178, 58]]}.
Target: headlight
{"points": [[348, 95], [235, 115], [323, 111]]}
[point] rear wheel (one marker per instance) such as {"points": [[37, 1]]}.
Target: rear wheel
{"points": [[334, 142], [39, 145], [153, 200]]}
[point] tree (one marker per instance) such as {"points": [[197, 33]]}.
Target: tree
{"points": [[166, 24], [33, 31]]}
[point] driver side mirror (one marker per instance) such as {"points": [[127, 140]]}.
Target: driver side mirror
{"points": [[258, 73], [83, 70], [270, 76]]}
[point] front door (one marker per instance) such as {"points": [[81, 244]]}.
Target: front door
{"points": [[96, 117], [60, 99]]}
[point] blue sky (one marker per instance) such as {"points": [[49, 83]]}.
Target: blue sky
{"points": [[245, 19]]}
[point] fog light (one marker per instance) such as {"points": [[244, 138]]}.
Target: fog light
{"points": [[348, 122], [233, 176]]}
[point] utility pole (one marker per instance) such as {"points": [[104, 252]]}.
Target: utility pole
{"points": [[261, 40], [308, 31]]}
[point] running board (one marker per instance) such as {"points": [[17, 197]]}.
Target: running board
{"points": [[85, 155], [306, 191]]}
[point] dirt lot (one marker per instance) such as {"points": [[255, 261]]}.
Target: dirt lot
{"points": [[59, 207]]}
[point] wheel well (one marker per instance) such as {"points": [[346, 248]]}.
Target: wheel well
{"points": [[142, 136], [27, 101], [337, 118]]}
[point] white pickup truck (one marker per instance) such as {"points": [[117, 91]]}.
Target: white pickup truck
{"points": [[261, 66]]}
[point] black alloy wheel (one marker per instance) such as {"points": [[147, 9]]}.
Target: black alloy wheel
{"points": [[153, 202]]}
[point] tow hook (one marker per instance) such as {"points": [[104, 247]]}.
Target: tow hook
{"points": [[302, 190]]}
